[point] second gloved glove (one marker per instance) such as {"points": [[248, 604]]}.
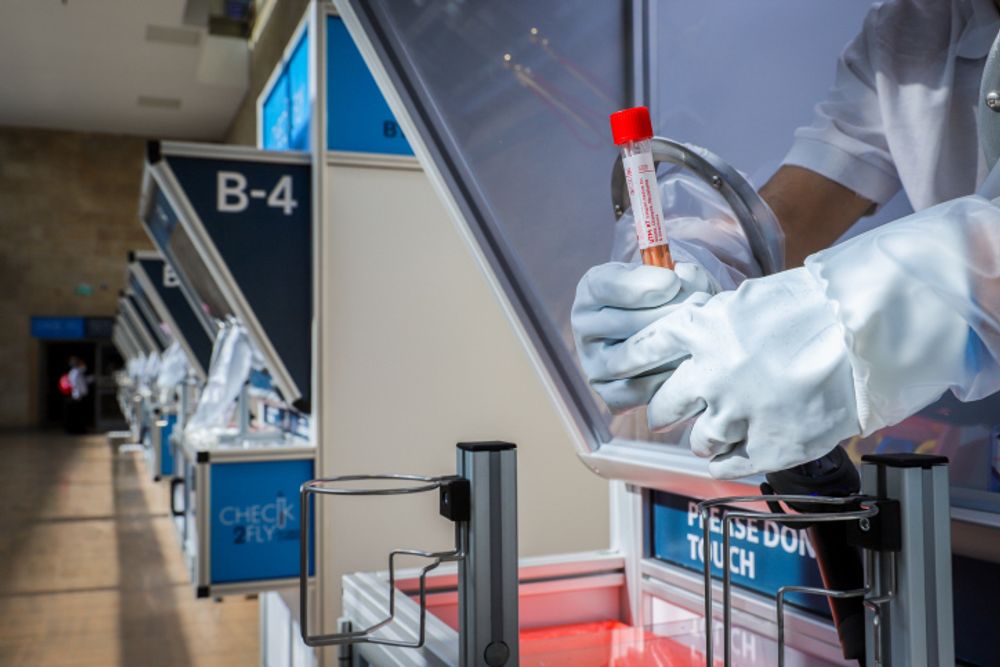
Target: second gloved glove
{"points": [[614, 301], [764, 368], [866, 334]]}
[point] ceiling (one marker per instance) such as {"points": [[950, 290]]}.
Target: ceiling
{"points": [[120, 66]]}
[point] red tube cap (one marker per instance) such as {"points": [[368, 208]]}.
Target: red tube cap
{"points": [[631, 125]]}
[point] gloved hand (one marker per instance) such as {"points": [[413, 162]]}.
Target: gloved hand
{"points": [[614, 301], [866, 334], [765, 368]]}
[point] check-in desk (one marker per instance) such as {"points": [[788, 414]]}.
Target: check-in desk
{"points": [[239, 506], [233, 225]]}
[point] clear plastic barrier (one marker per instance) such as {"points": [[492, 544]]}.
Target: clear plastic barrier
{"points": [[511, 101]]}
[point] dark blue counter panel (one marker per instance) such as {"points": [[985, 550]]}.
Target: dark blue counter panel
{"points": [[187, 324], [149, 327], [257, 217]]}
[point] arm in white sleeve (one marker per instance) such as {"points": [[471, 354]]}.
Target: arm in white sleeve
{"points": [[864, 335], [919, 303], [846, 141]]}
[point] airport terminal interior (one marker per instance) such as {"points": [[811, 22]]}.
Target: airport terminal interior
{"points": [[467, 333]]}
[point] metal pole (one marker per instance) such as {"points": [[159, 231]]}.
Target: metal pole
{"points": [[243, 408], [487, 576], [915, 627]]}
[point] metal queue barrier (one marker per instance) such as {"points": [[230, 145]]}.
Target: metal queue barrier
{"points": [[898, 523], [481, 499]]}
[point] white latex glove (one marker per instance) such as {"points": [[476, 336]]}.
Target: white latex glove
{"points": [[866, 334], [614, 301], [764, 368]]}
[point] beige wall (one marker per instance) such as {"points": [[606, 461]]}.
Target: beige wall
{"points": [[266, 52], [67, 217], [416, 356]]}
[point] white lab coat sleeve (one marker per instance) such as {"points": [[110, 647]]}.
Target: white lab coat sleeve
{"points": [[846, 141], [919, 303]]}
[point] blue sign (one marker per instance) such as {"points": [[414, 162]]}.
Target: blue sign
{"points": [[358, 117], [166, 451], [763, 555], [256, 519], [58, 328], [257, 215]]}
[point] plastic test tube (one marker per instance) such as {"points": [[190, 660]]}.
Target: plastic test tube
{"points": [[632, 130]]}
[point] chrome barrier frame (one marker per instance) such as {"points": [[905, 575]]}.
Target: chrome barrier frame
{"points": [[901, 524], [481, 499]]}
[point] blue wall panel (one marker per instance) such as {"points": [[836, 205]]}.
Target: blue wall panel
{"points": [[358, 117]]}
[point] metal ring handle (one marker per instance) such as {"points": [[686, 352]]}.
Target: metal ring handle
{"points": [[322, 485], [868, 509], [754, 216]]}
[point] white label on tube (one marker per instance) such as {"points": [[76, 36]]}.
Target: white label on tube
{"points": [[643, 192]]}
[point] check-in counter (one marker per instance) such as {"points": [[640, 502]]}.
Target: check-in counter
{"points": [[240, 510], [234, 227]]}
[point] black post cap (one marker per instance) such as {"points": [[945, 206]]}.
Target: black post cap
{"points": [[487, 446], [904, 460]]}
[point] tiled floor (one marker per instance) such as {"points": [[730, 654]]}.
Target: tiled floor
{"points": [[90, 569]]}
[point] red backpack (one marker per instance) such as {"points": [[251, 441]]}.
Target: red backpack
{"points": [[65, 386]]}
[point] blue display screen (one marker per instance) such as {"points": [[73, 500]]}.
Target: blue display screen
{"points": [[763, 555], [299, 99], [276, 111]]}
